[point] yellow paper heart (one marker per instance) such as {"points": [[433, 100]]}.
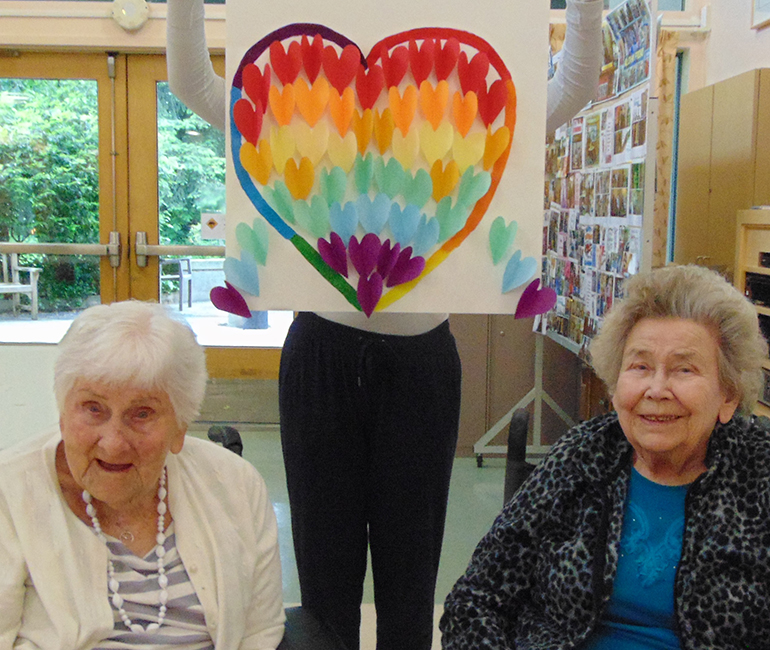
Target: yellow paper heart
{"points": [[342, 109], [383, 129], [342, 151], [464, 111], [282, 103], [282, 145], [299, 180], [311, 102], [406, 149], [433, 101], [362, 126], [469, 150], [258, 162], [496, 144], [403, 108], [435, 144], [311, 142], [445, 179]]}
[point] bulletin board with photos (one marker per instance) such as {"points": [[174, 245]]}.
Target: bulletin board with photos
{"points": [[595, 185]]}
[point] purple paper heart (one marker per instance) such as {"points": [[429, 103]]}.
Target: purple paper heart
{"points": [[406, 268], [364, 254], [334, 254], [369, 292], [228, 299], [534, 301], [387, 258]]}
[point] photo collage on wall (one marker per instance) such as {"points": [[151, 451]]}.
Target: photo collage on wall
{"points": [[594, 185]]}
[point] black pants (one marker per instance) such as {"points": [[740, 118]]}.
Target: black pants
{"points": [[369, 429]]}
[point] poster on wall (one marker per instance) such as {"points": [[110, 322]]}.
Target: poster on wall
{"points": [[385, 156], [595, 186]]}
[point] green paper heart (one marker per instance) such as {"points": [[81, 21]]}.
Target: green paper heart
{"points": [[281, 200], [473, 187], [313, 217], [501, 237], [390, 178], [363, 171], [450, 219], [251, 240], [333, 184], [418, 190]]}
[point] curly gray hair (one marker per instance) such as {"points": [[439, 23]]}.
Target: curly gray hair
{"points": [[698, 294]]}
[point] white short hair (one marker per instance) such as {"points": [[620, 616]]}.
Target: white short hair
{"points": [[134, 343]]}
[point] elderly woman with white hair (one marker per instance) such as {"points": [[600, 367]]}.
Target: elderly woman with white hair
{"points": [[118, 531], [648, 527]]}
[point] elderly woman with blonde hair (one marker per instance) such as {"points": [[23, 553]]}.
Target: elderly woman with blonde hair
{"points": [[118, 531], [648, 527]]}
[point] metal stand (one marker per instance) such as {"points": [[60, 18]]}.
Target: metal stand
{"points": [[536, 395]]}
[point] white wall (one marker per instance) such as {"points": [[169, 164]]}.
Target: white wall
{"points": [[27, 405], [733, 47]]}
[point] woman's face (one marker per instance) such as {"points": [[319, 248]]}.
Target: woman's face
{"points": [[116, 439], [668, 396]]}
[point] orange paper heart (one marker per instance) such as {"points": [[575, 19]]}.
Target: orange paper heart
{"points": [[403, 108], [311, 101], [282, 103], [383, 129], [258, 162], [299, 180], [464, 111], [433, 101], [341, 108], [496, 144], [444, 179], [362, 125]]}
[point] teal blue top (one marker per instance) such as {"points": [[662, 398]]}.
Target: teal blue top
{"points": [[640, 613]]}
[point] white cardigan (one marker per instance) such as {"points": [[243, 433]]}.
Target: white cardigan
{"points": [[53, 569]]}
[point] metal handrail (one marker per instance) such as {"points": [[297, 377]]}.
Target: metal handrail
{"points": [[111, 250], [142, 250]]}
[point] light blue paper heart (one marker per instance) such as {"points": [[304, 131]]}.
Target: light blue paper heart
{"points": [[344, 221], [313, 217], [363, 172], [473, 187], [403, 223], [518, 271], [389, 177], [242, 273], [333, 185], [373, 215], [426, 236], [418, 190]]}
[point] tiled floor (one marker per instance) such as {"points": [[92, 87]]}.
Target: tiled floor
{"points": [[475, 499]]}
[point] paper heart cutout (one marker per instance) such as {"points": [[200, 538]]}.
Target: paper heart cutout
{"points": [[412, 160], [501, 238], [534, 301], [228, 299], [334, 253], [365, 254], [253, 240], [518, 271], [242, 273]]}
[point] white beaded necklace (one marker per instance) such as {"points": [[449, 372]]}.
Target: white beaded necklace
{"points": [[160, 551]]}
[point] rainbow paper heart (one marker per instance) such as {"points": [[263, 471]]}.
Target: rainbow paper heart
{"points": [[374, 167]]}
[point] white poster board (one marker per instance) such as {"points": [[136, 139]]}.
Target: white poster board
{"points": [[354, 120]]}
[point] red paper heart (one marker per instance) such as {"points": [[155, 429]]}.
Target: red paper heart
{"points": [[228, 299], [446, 58], [312, 56], [534, 302], [406, 268], [492, 101], [248, 120], [257, 84], [286, 64], [394, 65], [473, 74], [421, 60], [341, 69], [369, 84], [369, 292]]}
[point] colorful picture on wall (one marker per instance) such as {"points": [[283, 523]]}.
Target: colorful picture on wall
{"points": [[375, 171]]}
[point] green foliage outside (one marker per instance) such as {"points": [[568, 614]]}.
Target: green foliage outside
{"points": [[49, 178]]}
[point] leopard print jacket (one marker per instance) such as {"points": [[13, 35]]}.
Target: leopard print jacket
{"points": [[542, 576]]}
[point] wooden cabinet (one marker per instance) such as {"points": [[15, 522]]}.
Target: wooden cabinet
{"points": [[752, 268], [723, 166]]}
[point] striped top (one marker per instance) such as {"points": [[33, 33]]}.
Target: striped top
{"points": [[185, 623]]}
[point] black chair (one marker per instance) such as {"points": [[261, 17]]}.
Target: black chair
{"points": [[517, 469], [303, 630]]}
